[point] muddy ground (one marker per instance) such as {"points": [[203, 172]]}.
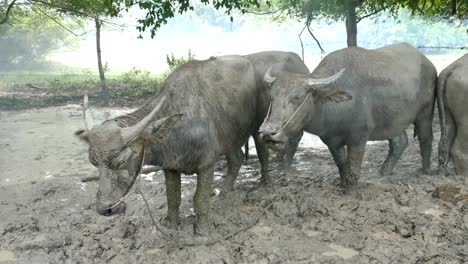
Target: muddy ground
{"points": [[47, 215]]}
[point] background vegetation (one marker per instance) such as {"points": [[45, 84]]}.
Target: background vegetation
{"points": [[31, 29]]}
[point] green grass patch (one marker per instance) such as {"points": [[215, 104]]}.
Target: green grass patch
{"points": [[12, 101], [132, 83]]}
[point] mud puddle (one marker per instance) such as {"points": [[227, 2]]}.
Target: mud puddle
{"points": [[47, 214]]}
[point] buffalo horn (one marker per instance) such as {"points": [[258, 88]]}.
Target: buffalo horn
{"points": [[88, 118], [324, 81], [131, 133], [268, 78]]}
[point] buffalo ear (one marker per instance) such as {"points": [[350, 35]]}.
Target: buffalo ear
{"points": [[159, 129], [323, 96], [82, 134]]}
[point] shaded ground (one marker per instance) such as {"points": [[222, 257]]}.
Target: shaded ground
{"points": [[47, 214]]}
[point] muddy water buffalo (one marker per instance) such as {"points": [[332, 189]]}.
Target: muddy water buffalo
{"points": [[203, 110], [279, 61], [380, 93], [452, 94]]}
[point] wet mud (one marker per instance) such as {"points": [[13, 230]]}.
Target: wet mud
{"points": [[47, 214]]}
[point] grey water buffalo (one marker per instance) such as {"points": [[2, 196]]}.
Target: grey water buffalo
{"points": [[452, 95], [203, 110], [279, 61], [353, 96]]}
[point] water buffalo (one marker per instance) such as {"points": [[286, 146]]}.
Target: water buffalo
{"points": [[210, 110], [279, 61], [353, 96], [452, 94]]}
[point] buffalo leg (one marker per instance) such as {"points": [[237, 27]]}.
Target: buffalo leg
{"points": [[263, 156], [396, 146], [339, 156], [352, 166], [234, 162], [459, 149], [423, 130], [291, 150], [202, 200], [173, 197], [246, 151], [445, 151], [338, 152]]}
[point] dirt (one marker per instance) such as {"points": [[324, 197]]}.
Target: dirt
{"points": [[47, 214]]}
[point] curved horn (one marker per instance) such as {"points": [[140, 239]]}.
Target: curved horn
{"points": [[131, 133], [324, 81], [88, 118], [268, 78]]}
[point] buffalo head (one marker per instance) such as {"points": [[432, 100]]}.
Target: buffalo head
{"points": [[117, 151], [293, 97]]}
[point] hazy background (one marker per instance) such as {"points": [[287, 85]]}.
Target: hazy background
{"points": [[209, 32]]}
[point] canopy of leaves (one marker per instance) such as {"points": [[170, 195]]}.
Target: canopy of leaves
{"points": [[334, 10], [444, 8], [431, 36], [30, 34], [159, 11], [83, 8]]}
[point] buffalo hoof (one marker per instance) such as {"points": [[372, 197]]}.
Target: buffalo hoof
{"points": [[428, 172], [203, 228], [265, 179], [170, 223], [109, 210], [386, 170], [442, 170], [348, 182]]}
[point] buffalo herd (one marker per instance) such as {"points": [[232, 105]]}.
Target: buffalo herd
{"points": [[208, 109]]}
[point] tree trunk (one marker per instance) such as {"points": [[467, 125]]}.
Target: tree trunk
{"points": [[351, 24], [98, 48], [453, 6]]}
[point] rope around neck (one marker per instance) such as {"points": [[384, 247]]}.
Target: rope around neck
{"points": [[135, 183]]}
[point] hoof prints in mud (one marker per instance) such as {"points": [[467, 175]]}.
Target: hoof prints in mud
{"points": [[403, 218]]}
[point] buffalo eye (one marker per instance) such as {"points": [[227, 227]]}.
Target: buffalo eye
{"points": [[295, 98], [93, 160], [120, 160]]}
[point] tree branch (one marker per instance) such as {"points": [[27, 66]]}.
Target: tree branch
{"points": [[264, 13], [312, 34], [64, 9], [375, 12], [7, 14], [302, 44], [53, 19]]}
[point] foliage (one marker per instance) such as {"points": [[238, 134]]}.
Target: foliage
{"points": [[12, 101], [329, 9], [353, 11], [135, 83], [30, 35], [159, 11], [417, 30], [444, 8], [174, 62]]}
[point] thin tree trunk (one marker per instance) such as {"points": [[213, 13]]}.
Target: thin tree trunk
{"points": [[453, 5], [98, 48], [351, 23]]}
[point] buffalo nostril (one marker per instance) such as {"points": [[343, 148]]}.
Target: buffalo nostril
{"points": [[108, 211], [267, 134]]}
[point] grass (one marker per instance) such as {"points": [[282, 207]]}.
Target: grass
{"points": [[10, 101], [132, 83]]}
